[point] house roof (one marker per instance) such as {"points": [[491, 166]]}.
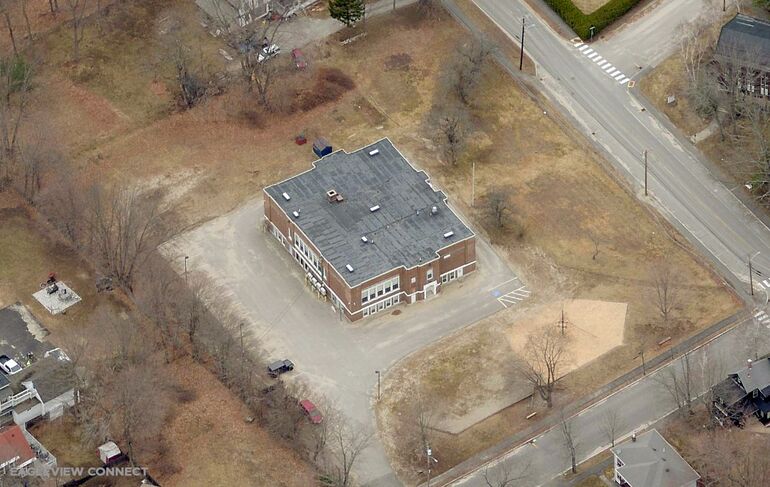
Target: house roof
{"points": [[50, 376], [651, 461], [756, 378], [13, 445], [401, 231], [747, 39]]}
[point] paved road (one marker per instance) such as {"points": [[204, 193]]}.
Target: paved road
{"points": [[334, 358], [638, 405], [600, 103]]}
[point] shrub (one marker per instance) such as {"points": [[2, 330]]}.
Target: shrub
{"points": [[602, 17]]}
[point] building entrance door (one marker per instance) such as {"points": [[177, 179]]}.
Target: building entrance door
{"points": [[430, 289]]}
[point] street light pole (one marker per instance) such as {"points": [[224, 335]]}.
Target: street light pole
{"points": [[521, 53], [378, 383], [473, 184], [185, 269]]}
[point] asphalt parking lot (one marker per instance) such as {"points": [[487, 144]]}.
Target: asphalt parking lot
{"points": [[336, 358]]}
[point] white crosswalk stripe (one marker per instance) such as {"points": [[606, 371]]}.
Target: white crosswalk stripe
{"points": [[514, 297], [764, 284], [605, 65]]}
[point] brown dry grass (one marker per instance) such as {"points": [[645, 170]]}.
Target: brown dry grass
{"points": [[558, 183], [588, 6]]}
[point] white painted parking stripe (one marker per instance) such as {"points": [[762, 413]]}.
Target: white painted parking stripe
{"points": [[583, 48]]}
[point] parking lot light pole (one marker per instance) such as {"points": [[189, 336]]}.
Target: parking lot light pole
{"points": [[378, 383]]}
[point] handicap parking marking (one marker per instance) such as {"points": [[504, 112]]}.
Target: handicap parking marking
{"points": [[514, 297]]}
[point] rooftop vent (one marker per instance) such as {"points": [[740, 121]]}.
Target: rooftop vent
{"points": [[434, 210], [349, 267], [374, 152], [364, 239], [331, 195], [295, 213], [449, 234], [286, 196], [374, 208]]}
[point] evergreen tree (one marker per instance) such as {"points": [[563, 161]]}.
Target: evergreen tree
{"points": [[346, 11]]}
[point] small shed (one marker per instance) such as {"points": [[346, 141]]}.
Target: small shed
{"points": [[322, 147], [108, 452]]}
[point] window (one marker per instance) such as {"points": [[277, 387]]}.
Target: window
{"points": [[414, 280], [382, 305], [429, 275], [380, 289]]}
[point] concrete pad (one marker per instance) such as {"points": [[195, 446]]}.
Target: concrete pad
{"points": [[59, 301]]}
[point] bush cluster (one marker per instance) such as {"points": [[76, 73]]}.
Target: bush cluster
{"points": [[600, 18]]}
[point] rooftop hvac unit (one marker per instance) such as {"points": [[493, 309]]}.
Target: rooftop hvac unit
{"points": [[374, 152], [434, 210], [295, 213], [286, 196], [349, 268], [449, 234], [374, 208], [364, 239]]}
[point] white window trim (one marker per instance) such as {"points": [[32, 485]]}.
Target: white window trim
{"points": [[370, 294]]}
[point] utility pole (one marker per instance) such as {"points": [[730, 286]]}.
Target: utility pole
{"points": [[645, 172], [473, 184], [521, 53], [394, 5], [751, 273], [185, 269], [428, 452], [378, 383]]}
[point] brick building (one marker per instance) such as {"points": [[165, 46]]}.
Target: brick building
{"points": [[743, 55], [369, 230]]}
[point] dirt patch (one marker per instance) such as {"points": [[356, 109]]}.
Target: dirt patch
{"points": [[592, 328]]}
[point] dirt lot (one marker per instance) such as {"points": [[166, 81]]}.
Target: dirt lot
{"points": [[212, 419]]}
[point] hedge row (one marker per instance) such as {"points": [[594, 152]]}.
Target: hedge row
{"points": [[600, 18]]}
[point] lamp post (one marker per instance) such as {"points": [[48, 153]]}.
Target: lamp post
{"points": [[751, 272], [428, 459]]}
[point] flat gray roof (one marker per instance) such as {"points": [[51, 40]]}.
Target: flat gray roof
{"points": [[651, 461], [402, 232]]}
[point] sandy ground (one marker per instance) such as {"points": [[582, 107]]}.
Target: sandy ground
{"points": [[592, 328]]}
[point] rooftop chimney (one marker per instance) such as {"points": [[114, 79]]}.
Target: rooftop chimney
{"points": [[433, 210], [749, 372]]}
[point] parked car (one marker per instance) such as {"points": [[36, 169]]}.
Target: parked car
{"points": [[9, 365], [269, 51], [312, 412], [279, 367], [299, 59]]}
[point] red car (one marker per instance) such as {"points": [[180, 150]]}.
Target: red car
{"points": [[299, 59], [312, 412]]}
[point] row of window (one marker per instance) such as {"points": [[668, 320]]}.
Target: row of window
{"points": [[382, 305], [380, 289], [451, 275], [309, 254]]}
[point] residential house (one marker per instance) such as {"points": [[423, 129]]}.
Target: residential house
{"points": [[369, 230], [15, 451], [744, 393], [743, 55], [648, 460]]}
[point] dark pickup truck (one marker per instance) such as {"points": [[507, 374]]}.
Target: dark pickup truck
{"points": [[279, 367]]}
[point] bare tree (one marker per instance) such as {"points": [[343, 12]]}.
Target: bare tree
{"points": [[677, 379], [595, 241], [25, 14], [611, 424], [498, 205], [15, 88], [77, 10], [541, 361], [349, 440], [465, 73], [570, 444], [504, 475], [666, 288], [452, 136], [124, 227], [5, 10]]}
